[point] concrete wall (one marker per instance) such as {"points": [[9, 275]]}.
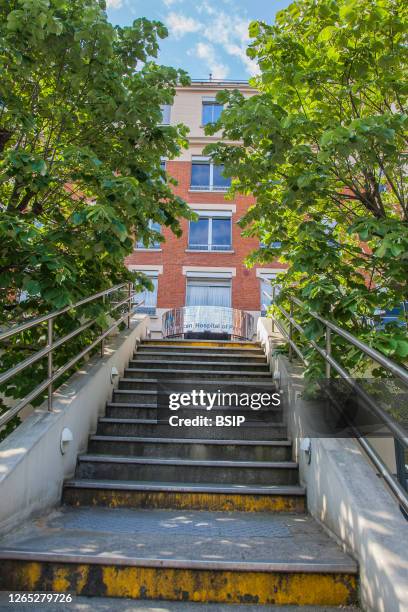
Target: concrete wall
{"points": [[345, 494], [187, 107], [32, 467]]}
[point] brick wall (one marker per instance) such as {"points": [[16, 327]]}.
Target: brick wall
{"points": [[173, 256]]}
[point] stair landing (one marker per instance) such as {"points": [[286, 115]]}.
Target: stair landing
{"points": [[188, 555]]}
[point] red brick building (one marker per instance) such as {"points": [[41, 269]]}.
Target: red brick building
{"points": [[205, 266]]}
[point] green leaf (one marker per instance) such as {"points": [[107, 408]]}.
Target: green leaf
{"points": [[326, 33], [254, 29]]}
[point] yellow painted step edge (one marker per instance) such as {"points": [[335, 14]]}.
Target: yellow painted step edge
{"points": [[195, 585]]}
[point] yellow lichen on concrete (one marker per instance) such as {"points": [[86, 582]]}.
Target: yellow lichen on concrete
{"points": [[191, 501], [208, 343], [231, 587], [31, 574], [183, 584]]}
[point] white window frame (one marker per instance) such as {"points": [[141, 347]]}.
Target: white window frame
{"points": [[206, 101], [208, 280], [211, 215], [205, 160], [153, 275], [266, 275], [166, 114], [154, 247]]}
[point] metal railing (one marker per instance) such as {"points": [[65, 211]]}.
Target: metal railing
{"points": [[52, 345], [221, 81], [397, 486], [209, 247], [209, 187]]}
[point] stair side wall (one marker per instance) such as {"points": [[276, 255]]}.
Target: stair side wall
{"points": [[32, 466], [346, 496]]}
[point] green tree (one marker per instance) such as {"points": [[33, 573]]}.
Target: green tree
{"points": [[323, 149], [80, 150]]}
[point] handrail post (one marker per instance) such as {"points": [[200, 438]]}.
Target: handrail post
{"points": [[328, 351], [50, 360], [129, 303], [103, 339], [273, 304], [291, 331], [400, 463]]}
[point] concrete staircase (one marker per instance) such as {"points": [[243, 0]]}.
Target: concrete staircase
{"points": [[200, 514]]}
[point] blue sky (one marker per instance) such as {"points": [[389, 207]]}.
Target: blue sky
{"points": [[207, 36]]}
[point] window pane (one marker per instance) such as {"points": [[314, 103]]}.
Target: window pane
{"points": [[154, 244], [268, 288], [149, 298], [156, 227], [221, 234], [198, 236], [206, 294], [220, 181], [165, 109], [217, 110], [211, 112], [200, 176]]}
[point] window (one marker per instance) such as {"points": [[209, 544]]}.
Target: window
{"points": [[163, 166], [210, 234], [155, 244], [270, 245], [166, 112], [206, 176], [211, 112], [208, 292], [149, 298], [267, 287]]}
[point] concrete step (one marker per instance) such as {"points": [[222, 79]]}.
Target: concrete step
{"points": [[197, 556], [210, 344], [191, 364], [109, 604], [243, 450], [147, 411], [185, 496], [145, 384], [202, 355], [150, 428], [227, 351], [140, 396], [187, 470], [197, 374]]}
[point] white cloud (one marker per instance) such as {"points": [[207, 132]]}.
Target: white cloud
{"points": [[207, 53], [250, 65], [114, 4], [179, 24], [231, 33], [226, 31], [171, 2]]}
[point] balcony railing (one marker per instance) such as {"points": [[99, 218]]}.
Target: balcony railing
{"points": [[210, 247], [213, 319], [209, 187]]}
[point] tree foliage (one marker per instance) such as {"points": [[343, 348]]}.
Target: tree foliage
{"points": [[323, 149], [80, 151], [80, 146]]}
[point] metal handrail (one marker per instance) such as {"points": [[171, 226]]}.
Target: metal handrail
{"points": [[51, 345], [391, 366], [397, 487]]}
